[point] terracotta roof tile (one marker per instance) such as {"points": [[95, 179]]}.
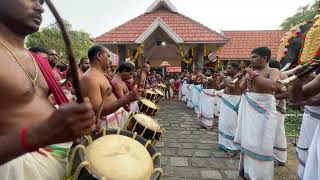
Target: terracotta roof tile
{"points": [[187, 29], [242, 42]]}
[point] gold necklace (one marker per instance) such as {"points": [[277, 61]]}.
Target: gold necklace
{"points": [[25, 71]]}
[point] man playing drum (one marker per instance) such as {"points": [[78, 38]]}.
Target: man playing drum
{"points": [[28, 120], [95, 85], [257, 117], [123, 74]]}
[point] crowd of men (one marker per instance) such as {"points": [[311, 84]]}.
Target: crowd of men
{"points": [[251, 108], [40, 118]]}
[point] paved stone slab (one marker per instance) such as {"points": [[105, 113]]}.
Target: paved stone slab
{"points": [[186, 152], [199, 162], [190, 152], [183, 172], [187, 145], [211, 174], [232, 174], [203, 153], [179, 161]]}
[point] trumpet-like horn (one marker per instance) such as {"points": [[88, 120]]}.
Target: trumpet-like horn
{"points": [[309, 68]]}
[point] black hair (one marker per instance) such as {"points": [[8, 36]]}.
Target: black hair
{"points": [[125, 67], [38, 49], [82, 60], [93, 51], [274, 64], [263, 52], [235, 65]]}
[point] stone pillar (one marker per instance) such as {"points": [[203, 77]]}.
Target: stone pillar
{"points": [[198, 56], [122, 53]]}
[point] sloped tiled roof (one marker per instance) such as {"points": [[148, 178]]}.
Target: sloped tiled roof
{"points": [[187, 29], [241, 43]]}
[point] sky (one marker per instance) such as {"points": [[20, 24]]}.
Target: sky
{"points": [[99, 16]]}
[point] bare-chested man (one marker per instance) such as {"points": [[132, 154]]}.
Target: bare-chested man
{"points": [[53, 60], [84, 64], [144, 75], [95, 84], [123, 74], [229, 110], [257, 117], [280, 143], [28, 120]]}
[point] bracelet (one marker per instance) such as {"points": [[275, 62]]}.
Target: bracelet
{"points": [[24, 143], [254, 76]]}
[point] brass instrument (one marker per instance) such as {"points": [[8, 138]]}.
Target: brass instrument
{"points": [[243, 72], [63, 63], [309, 68]]}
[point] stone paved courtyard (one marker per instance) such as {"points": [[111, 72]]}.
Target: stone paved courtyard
{"points": [[190, 152]]}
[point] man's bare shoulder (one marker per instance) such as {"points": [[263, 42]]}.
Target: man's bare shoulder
{"points": [[274, 70], [94, 78]]}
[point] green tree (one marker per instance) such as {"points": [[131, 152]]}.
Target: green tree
{"points": [[51, 38], [303, 13]]}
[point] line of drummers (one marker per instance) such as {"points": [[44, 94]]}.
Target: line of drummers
{"points": [[122, 148]]}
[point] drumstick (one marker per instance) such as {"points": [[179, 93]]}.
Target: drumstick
{"points": [[104, 95], [140, 79]]}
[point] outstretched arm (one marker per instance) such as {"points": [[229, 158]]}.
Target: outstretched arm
{"points": [[267, 83]]}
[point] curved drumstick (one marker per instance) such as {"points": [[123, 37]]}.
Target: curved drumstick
{"points": [[71, 58]]}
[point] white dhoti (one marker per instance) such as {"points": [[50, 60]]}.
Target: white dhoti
{"points": [[310, 121], [255, 135], [184, 91], [228, 122], [189, 95], [134, 107], [115, 120], [206, 107], [180, 93], [197, 89], [218, 102], [312, 168], [34, 166], [280, 142]]}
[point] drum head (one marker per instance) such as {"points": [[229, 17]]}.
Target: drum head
{"points": [[159, 92], [119, 157], [149, 103], [149, 91], [148, 122]]}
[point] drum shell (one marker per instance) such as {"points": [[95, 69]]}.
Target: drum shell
{"points": [[134, 126], [147, 110], [85, 173], [150, 96], [158, 97]]}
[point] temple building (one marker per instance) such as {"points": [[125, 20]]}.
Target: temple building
{"points": [[162, 34]]}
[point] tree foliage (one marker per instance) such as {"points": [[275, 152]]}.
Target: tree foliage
{"points": [[51, 38], [303, 13]]}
